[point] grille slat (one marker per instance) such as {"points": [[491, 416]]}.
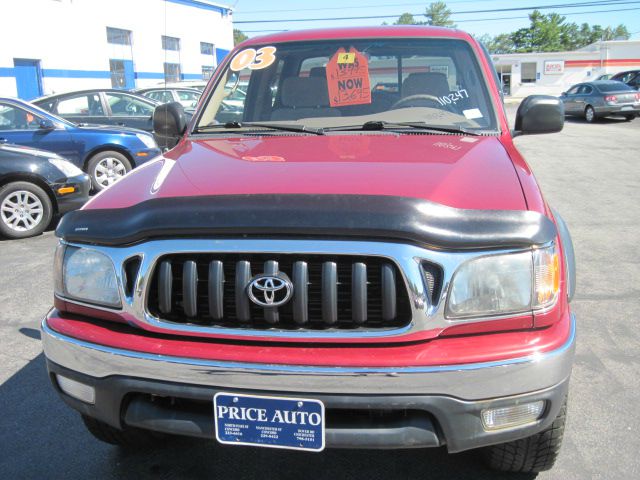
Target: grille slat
{"points": [[359, 292], [165, 287], [345, 292], [388, 283], [329, 293], [243, 276], [215, 292], [190, 288], [300, 293]]}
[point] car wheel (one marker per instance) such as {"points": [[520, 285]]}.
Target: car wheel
{"points": [[536, 453], [130, 438], [590, 114], [25, 210], [106, 168], [628, 118]]}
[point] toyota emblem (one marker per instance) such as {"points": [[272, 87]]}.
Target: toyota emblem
{"points": [[270, 290]]}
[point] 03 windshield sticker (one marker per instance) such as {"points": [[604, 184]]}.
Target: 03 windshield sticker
{"points": [[253, 59], [348, 78]]}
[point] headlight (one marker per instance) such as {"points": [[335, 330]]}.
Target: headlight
{"points": [[86, 275], [67, 168], [504, 284], [148, 140]]}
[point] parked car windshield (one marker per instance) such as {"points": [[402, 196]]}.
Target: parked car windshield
{"points": [[325, 84]]}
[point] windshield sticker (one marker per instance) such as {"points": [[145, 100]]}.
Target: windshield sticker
{"points": [[348, 78], [472, 113], [453, 98], [253, 59]]}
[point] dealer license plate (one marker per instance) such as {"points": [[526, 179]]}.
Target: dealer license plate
{"points": [[276, 422]]}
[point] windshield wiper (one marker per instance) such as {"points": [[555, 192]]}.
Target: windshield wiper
{"points": [[271, 126], [383, 125]]}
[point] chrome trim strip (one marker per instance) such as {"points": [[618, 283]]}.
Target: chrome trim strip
{"points": [[424, 315], [476, 380]]}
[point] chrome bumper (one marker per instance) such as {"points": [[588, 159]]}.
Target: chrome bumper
{"points": [[466, 381]]}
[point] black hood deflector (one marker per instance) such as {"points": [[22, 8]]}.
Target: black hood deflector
{"points": [[372, 217]]}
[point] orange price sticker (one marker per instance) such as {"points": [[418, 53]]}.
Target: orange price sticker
{"points": [[348, 78]]}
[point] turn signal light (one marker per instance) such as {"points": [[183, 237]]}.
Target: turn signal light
{"points": [[65, 190], [547, 277]]}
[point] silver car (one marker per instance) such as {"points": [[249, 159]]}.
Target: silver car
{"points": [[601, 98]]}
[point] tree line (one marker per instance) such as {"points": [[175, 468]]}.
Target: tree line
{"points": [[545, 33]]}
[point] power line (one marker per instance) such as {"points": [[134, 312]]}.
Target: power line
{"points": [[494, 19], [347, 7], [495, 10]]}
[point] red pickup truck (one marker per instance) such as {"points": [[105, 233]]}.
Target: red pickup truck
{"points": [[355, 256]]}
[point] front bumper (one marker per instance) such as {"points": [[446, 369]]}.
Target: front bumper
{"points": [[402, 407]]}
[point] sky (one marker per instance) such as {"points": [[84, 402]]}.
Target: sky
{"points": [[477, 23]]}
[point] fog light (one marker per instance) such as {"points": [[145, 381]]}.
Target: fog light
{"points": [[513, 416], [84, 393]]}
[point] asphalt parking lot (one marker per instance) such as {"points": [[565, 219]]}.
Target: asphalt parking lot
{"points": [[589, 173]]}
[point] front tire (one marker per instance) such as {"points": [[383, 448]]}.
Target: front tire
{"points": [[536, 453], [106, 168], [25, 210], [590, 114], [628, 118]]}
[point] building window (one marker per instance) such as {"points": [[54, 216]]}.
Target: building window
{"points": [[118, 79], [528, 72], [118, 36], [207, 72], [172, 72], [170, 43], [206, 48]]}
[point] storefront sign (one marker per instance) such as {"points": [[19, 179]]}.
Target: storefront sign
{"points": [[554, 67]]}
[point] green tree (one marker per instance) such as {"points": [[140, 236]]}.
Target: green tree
{"points": [[407, 19], [439, 15], [238, 36], [501, 43]]}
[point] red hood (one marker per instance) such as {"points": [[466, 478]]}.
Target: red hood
{"points": [[459, 171]]}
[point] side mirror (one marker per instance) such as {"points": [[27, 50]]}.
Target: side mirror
{"points": [[563, 94], [46, 124], [539, 114], [169, 122]]}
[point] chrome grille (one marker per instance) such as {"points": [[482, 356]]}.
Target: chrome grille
{"points": [[329, 291]]}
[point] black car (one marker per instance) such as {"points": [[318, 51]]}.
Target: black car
{"points": [[630, 77], [102, 106], [35, 186]]}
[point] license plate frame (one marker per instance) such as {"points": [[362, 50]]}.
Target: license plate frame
{"points": [[259, 424]]}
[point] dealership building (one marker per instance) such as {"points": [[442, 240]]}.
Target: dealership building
{"points": [[52, 46], [552, 73]]}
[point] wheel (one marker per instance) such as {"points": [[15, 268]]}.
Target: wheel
{"points": [[25, 210], [106, 168], [536, 453], [130, 438], [590, 114], [628, 118]]}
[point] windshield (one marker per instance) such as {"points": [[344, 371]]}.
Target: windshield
{"points": [[329, 84]]}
